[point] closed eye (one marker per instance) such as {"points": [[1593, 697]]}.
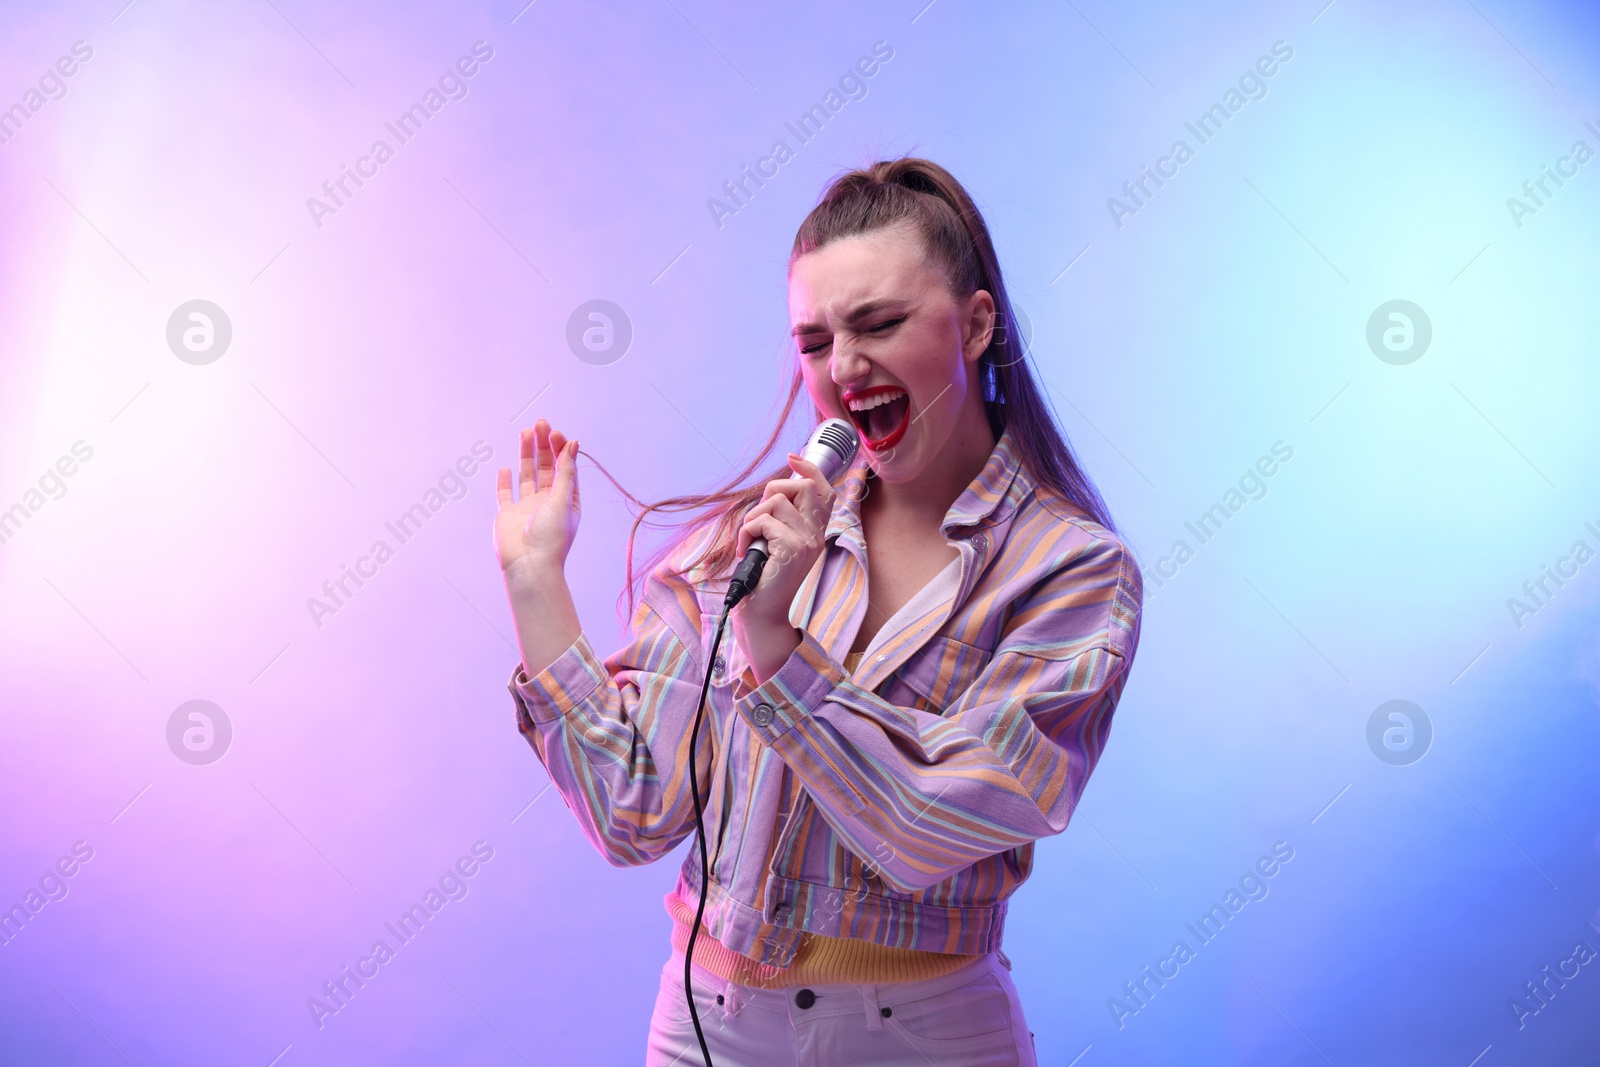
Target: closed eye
{"points": [[887, 324]]}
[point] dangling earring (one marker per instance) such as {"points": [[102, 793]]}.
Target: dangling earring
{"points": [[991, 381]]}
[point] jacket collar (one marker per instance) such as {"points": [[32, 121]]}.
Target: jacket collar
{"points": [[987, 501]]}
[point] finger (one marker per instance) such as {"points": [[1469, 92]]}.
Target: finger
{"points": [[566, 473], [785, 511], [806, 469], [577, 495], [545, 460], [785, 535], [785, 487], [809, 503], [762, 508], [800, 491], [558, 441], [757, 525], [528, 485], [744, 535], [799, 535], [813, 473], [502, 487]]}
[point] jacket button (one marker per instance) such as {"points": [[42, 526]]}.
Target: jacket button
{"points": [[805, 998], [762, 714], [719, 666]]}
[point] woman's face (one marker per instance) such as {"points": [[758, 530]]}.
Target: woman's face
{"points": [[884, 344]]}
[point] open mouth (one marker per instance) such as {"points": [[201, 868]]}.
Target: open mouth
{"points": [[882, 414]]}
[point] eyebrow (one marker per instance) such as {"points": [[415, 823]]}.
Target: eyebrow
{"points": [[862, 311]]}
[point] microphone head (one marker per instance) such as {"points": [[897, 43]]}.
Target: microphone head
{"points": [[831, 446]]}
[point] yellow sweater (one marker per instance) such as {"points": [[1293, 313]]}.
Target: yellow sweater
{"points": [[818, 959]]}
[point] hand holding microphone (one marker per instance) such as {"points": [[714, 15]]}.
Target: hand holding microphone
{"points": [[794, 511], [787, 526]]}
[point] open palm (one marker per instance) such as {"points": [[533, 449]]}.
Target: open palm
{"points": [[537, 528]]}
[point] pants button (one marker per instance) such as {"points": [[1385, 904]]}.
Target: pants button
{"points": [[805, 998]]}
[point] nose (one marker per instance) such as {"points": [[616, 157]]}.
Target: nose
{"points": [[847, 365]]}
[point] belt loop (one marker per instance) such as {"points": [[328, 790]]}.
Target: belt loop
{"points": [[869, 994], [730, 991]]}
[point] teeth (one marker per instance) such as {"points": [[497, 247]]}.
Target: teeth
{"points": [[868, 403]]}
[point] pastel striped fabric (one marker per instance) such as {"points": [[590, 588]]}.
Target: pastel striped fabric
{"points": [[900, 805]]}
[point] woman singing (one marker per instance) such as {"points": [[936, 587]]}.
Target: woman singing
{"points": [[916, 691]]}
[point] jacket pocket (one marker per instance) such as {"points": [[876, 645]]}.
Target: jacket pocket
{"points": [[941, 671]]}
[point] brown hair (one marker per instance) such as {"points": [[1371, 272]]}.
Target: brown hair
{"points": [[928, 197]]}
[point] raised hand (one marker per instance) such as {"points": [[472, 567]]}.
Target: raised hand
{"points": [[536, 530]]}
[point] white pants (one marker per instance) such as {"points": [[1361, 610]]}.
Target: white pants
{"points": [[971, 1017]]}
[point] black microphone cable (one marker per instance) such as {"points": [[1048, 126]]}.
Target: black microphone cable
{"points": [[700, 833], [831, 447], [744, 580]]}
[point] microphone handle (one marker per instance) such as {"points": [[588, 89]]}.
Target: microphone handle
{"points": [[748, 574]]}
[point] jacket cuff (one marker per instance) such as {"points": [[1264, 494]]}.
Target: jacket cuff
{"points": [[560, 687], [774, 707]]}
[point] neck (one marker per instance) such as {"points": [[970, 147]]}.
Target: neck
{"points": [[925, 499]]}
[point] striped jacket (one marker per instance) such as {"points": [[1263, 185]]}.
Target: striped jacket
{"points": [[968, 731]]}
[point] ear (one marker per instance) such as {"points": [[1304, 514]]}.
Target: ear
{"points": [[978, 325]]}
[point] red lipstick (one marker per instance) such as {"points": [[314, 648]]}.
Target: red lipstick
{"points": [[893, 436]]}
